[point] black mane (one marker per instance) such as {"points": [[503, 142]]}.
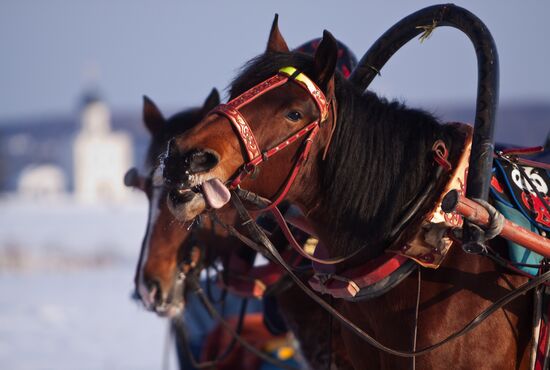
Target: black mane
{"points": [[379, 160]]}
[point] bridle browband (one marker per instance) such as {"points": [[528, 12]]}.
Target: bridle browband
{"points": [[254, 154]]}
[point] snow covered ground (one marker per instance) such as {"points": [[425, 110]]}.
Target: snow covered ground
{"points": [[66, 275], [80, 319], [66, 228]]}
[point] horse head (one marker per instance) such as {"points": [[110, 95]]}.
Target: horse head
{"points": [[274, 104], [168, 251], [295, 129]]}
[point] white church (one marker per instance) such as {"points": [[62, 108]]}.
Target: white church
{"points": [[67, 203], [100, 158]]}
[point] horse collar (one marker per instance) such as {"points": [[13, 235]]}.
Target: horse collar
{"points": [[427, 247]]}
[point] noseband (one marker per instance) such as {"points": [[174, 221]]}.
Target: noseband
{"points": [[255, 155]]}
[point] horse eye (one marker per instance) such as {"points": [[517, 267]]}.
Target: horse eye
{"points": [[294, 116]]}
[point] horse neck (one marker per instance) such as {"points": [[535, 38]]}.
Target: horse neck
{"points": [[377, 162]]}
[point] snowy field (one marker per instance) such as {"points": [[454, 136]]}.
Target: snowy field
{"points": [[77, 320], [66, 275], [62, 227]]}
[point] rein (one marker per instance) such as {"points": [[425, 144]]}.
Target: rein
{"points": [[206, 299], [263, 243], [236, 335], [181, 333]]}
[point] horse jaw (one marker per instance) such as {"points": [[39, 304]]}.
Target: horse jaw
{"points": [[202, 191], [188, 211], [175, 305]]}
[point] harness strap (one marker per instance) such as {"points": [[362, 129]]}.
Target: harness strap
{"points": [[296, 246], [309, 85], [216, 315], [366, 281], [260, 237], [334, 111], [248, 168], [413, 208], [231, 112], [523, 151], [180, 331], [441, 155], [255, 281]]}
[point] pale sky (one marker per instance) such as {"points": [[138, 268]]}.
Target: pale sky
{"points": [[176, 51]]}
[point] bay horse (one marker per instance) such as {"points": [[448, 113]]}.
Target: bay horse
{"points": [[168, 247], [369, 161], [169, 252], [157, 279]]}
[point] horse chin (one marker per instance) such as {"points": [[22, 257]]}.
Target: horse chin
{"points": [[187, 211], [173, 305], [170, 311]]}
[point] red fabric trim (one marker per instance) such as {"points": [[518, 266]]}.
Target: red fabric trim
{"points": [[247, 281], [231, 111], [543, 339], [525, 151]]}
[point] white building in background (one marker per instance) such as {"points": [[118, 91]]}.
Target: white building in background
{"points": [[45, 181], [100, 157]]}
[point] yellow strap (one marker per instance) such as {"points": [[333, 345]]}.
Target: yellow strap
{"points": [[310, 85]]}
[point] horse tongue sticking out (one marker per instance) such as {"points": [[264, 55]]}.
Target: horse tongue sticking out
{"points": [[215, 193]]}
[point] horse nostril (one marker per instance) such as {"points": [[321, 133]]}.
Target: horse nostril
{"points": [[154, 291], [134, 295], [202, 160], [131, 177]]}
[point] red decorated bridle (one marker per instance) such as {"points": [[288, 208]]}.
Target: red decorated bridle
{"points": [[246, 136]]}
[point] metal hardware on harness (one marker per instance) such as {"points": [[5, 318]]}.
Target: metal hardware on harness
{"points": [[476, 214], [441, 155], [324, 278], [493, 228]]}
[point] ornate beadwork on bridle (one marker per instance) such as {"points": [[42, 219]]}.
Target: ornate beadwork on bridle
{"points": [[255, 155]]}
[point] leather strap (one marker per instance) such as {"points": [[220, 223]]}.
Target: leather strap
{"points": [[231, 111]]}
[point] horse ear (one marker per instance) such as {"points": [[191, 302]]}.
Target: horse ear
{"points": [[212, 101], [276, 42], [325, 59], [154, 120]]}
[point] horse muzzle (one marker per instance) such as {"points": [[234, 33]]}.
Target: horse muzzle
{"points": [[164, 303]]}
